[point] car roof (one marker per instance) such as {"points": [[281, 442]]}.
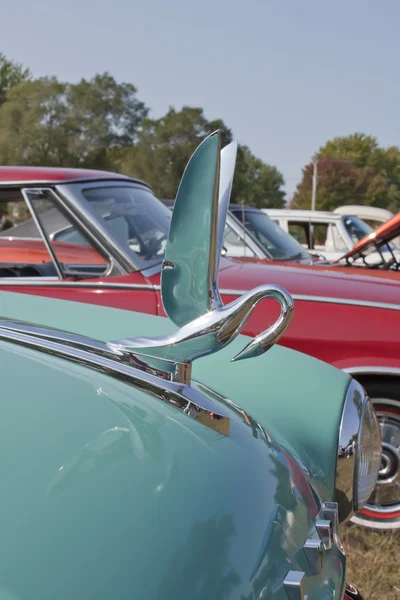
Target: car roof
{"points": [[299, 214], [366, 211], [16, 175]]}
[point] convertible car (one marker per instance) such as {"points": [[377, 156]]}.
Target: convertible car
{"points": [[131, 469], [115, 231]]}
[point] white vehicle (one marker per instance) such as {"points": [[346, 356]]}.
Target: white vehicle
{"points": [[372, 215], [329, 234]]}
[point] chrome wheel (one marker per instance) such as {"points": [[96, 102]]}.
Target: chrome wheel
{"points": [[383, 508]]}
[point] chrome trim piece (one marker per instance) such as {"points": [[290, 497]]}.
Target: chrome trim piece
{"points": [[293, 584], [55, 282], [352, 592], [213, 331], [189, 283], [330, 511], [372, 370], [325, 299], [227, 169], [323, 537], [97, 355], [325, 532], [354, 410], [57, 266], [55, 182], [314, 551]]}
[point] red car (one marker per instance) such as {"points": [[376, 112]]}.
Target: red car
{"points": [[98, 237]]}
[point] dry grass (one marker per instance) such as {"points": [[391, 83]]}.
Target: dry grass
{"points": [[373, 562]]}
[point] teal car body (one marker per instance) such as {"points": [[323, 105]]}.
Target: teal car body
{"points": [[112, 493], [143, 461]]}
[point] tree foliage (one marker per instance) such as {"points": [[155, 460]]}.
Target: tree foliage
{"points": [[165, 145], [257, 183], [353, 170], [11, 73], [45, 122], [99, 123]]}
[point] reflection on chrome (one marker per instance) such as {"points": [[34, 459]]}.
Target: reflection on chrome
{"points": [[189, 285], [359, 452]]}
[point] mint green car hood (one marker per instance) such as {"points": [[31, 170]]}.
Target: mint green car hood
{"points": [[112, 493], [296, 398]]}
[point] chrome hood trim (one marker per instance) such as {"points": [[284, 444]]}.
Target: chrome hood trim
{"points": [[97, 355], [189, 277]]}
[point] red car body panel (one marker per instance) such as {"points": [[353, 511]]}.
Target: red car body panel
{"points": [[342, 334]]}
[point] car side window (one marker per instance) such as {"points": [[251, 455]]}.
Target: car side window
{"points": [[235, 245], [338, 241], [300, 232], [72, 253], [23, 252]]}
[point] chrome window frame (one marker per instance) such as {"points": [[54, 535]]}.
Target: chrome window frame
{"points": [[246, 237], [83, 220]]}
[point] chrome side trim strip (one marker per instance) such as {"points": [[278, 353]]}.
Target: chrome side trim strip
{"points": [[54, 182], [97, 355], [54, 282], [367, 370], [326, 299]]}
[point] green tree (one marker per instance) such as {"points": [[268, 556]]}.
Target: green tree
{"points": [[11, 73], [352, 170], [257, 183], [166, 144], [45, 122]]}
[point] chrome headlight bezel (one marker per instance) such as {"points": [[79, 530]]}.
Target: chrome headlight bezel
{"points": [[358, 414]]}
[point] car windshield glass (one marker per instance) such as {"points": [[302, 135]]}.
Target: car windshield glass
{"points": [[278, 243], [133, 215], [358, 229]]}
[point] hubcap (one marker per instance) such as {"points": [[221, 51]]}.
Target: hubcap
{"points": [[385, 500]]}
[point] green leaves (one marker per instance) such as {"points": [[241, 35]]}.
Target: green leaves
{"points": [[45, 122], [353, 170], [99, 123], [165, 145], [11, 73]]}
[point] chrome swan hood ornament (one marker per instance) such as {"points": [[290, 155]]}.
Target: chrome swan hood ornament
{"points": [[189, 277]]}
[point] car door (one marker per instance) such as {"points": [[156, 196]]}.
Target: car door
{"points": [[32, 262]]}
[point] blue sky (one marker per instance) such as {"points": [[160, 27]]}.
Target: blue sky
{"points": [[284, 75]]}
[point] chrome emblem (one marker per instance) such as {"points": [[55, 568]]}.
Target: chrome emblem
{"points": [[189, 279]]}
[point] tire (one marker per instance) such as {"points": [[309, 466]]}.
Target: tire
{"points": [[383, 508]]}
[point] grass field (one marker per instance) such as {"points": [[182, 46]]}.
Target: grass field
{"points": [[373, 562]]}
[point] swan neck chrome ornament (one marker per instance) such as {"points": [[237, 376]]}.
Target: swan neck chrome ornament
{"points": [[189, 276]]}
